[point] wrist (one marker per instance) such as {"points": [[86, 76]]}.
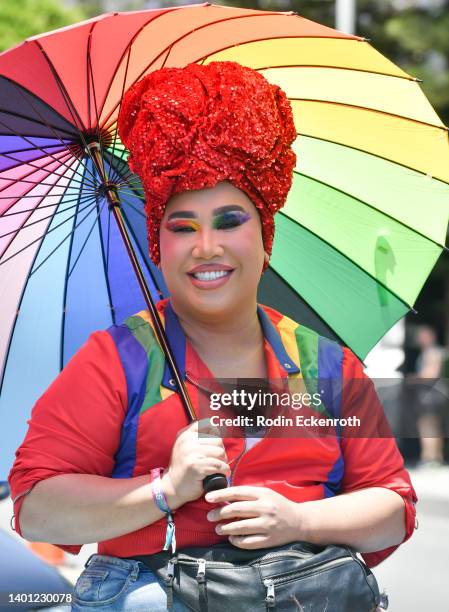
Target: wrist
{"points": [[304, 522], [172, 498]]}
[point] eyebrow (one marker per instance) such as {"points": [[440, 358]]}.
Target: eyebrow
{"points": [[188, 214]]}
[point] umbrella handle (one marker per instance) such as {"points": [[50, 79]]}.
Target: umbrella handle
{"points": [[213, 482]]}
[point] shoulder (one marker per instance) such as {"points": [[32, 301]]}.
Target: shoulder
{"points": [[139, 328], [307, 339]]}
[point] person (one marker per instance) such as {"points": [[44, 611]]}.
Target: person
{"points": [[431, 397], [109, 442]]}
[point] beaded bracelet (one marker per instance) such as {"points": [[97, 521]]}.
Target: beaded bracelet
{"points": [[161, 502]]}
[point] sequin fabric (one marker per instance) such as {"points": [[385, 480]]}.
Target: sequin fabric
{"points": [[192, 127]]}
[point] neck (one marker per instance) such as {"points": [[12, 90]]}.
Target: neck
{"points": [[224, 335]]}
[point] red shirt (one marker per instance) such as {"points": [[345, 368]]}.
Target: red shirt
{"points": [[75, 427]]}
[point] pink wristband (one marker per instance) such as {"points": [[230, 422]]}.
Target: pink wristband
{"points": [[158, 493]]}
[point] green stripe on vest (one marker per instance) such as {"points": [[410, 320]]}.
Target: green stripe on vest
{"points": [[307, 342], [144, 334]]}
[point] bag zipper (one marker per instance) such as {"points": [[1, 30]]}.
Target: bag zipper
{"points": [[270, 596], [270, 583], [201, 573], [282, 553], [312, 570], [224, 564], [169, 583]]}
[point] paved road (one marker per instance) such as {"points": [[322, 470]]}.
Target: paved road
{"points": [[416, 577]]}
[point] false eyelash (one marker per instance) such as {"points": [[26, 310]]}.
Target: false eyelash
{"points": [[230, 220], [182, 226]]}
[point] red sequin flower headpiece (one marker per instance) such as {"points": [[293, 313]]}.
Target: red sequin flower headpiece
{"points": [[190, 128]]}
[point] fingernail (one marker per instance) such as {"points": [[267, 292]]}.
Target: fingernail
{"points": [[210, 497], [209, 516]]}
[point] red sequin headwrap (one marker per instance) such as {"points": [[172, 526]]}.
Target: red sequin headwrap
{"points": [[190, 128]]}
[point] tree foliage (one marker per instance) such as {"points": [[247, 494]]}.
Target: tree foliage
{"points": [[20, 19]]}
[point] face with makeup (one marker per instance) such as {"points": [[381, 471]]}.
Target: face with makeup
{"points": [[212, 252]]}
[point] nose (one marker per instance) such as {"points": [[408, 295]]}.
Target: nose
{"points": [[207, 244]]}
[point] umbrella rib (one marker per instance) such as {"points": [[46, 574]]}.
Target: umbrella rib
{"points": [[128, 48], [69, 254], [26, 150], [71, 108], [63, 164], [325, 323], [51, 108], [434, 178], [34, 183], [364, 70], [19, 303], [34, 147], [118, 177], [187, 34], [87, 75], [385, 214], [22, 197], [122, 178], [127, 193], [131, 231], [64, 239], [134, 184], [91, 85], [107, 253], [34, 241], [17, 115], [16, 198], [58, 212], [45, 123], [15, 180], [334, 248], [58, 195], [373, 110], [134, 187], [105, 262], [86, 239], [40, 197], [125, 178], [120, 103]]}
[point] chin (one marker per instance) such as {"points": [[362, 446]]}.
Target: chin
{"points": [[213, 307]]}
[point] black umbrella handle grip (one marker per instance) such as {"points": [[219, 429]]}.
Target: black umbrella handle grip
{"points": [[213, 482]]}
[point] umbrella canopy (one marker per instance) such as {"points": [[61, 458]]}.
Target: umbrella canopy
{"points": [[364, 223]]}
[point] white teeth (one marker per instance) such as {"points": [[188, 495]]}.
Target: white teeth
{"points": [[208, 276]]}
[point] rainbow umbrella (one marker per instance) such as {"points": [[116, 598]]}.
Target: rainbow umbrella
{"points": [[364, 223]]}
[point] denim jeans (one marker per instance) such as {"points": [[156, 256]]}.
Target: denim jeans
{"points": [[120, 584]]}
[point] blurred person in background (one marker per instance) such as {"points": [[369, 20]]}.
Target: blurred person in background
{"points": [[431, 396]]}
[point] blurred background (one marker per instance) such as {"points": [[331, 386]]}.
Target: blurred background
{"points": [[414, 35]]}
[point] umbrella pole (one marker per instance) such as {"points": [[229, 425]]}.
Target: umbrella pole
{"points": [[115, 206], [213, 481]]}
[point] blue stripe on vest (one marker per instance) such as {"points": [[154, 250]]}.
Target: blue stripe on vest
{"points": [[135, 365], [330, 360]]}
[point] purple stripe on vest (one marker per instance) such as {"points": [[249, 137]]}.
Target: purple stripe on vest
{"points": [[135, 365], [330, 371]]}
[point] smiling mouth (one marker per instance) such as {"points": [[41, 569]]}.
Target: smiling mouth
{"points": [[211, 276]]}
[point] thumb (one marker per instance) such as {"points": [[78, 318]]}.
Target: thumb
{"points": [[206, 429]]}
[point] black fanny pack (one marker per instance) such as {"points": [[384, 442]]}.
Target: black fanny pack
{"points": [[298, 577]]}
